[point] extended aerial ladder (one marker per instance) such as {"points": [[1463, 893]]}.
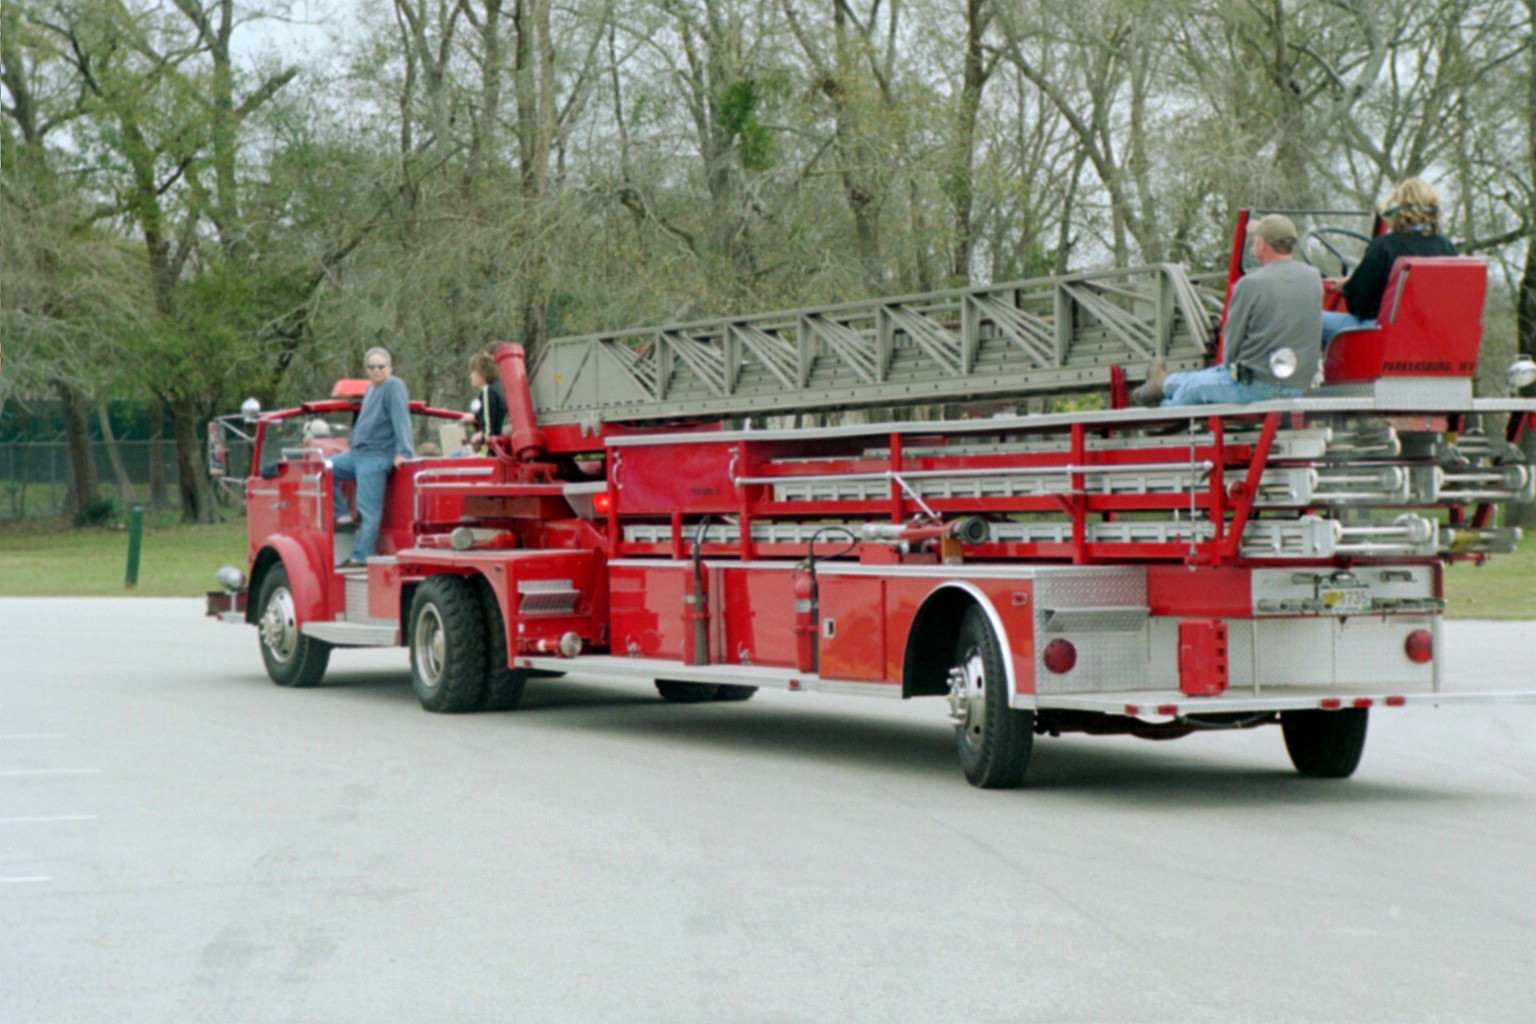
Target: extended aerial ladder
{"points": [[1046, 336]]}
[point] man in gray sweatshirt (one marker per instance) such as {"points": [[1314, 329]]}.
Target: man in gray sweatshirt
{"points": [[381, 441], [1278, 306]]}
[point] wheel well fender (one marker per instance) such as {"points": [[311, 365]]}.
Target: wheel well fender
{"points": [[306, 578], [935, 629]]}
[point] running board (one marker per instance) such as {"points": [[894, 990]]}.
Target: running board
{"points": [[354, 634]]}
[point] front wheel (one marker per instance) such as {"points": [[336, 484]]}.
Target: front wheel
{"points": [[1325, 744], [292, 659], [448, 645], [993, 740]]}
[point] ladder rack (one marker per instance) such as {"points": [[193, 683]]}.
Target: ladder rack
{"points": [[1332, 483], [1048, 335]]}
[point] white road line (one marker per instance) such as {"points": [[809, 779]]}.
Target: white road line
{"points": [[46, 818], [51, 771], [34, 878]]}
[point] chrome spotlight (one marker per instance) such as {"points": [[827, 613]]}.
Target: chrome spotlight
{"points": [[1522, 373]]}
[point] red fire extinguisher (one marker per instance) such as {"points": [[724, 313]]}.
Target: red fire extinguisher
{"points": [[807, 620]]}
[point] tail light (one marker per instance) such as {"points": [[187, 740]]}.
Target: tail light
{"points": [[1420, 646], [1060, 656]]}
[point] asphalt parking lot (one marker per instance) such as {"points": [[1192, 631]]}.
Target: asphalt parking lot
{"points": [[181, 841]]}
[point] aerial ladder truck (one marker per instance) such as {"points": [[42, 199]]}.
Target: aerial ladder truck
{"points": [[646, 515]]}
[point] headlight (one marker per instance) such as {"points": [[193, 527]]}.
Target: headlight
{"points": [[231, 579], [1522, 373]]}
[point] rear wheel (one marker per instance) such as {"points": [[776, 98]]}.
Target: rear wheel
{"points": [[993, 740], [1325, 744], [448, 645], [731, 692], [674, 692], [503, 684], [292, 659]]}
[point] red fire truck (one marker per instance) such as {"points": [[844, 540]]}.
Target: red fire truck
{"points": [[1096, 569]]}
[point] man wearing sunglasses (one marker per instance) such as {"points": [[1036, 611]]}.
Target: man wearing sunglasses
{"points": [[381, 441]]}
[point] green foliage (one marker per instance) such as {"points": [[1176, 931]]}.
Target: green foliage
{"points": [[99, 510], [738, 113]]}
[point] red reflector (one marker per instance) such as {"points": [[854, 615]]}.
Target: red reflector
{"points": [[1363, 702], [1060, 656], [1395, 702], [1167, 709], [1420, 646], [1332, 703], [602, 501], [1132, 710]]}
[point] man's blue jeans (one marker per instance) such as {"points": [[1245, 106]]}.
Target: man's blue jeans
{"points": [[372, 474], [1333, 323], [1215, 385]]}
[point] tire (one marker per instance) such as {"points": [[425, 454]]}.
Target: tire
{"points": [[448, 645], [503, 684], [292, 659], [992, 739], [730, 692], [1325, 744], [674, 692]]}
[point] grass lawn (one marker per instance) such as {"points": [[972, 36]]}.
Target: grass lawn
{"points": [[1502, 588], [47, 559]]}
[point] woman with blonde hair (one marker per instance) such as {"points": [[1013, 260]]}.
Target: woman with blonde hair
{"points": [[1413, 212]]}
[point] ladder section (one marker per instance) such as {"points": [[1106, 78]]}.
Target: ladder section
{"points": [[1042, 336], [1322, 466], [1226, 487]]}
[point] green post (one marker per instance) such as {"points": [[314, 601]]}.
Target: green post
{"points": [[135, 536]]}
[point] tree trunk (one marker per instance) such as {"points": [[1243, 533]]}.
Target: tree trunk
{"points": [[1525, 343], [158, 498], [192, 475], [962, 171], [1525, 295], [114, 455], [82, 464]]}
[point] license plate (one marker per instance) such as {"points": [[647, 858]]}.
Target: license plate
{"points": [[1346, 600]]}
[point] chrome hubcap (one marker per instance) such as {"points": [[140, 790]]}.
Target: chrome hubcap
{"points": [[279, 631], [968, 699], [430, 646]]}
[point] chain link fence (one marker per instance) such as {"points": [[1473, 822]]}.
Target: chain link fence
{"points": [[34, 476]]}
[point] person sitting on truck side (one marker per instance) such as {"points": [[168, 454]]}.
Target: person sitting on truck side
{"points": [[381, 441], [1274, 307], [1413, 211], [488, 410]]}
